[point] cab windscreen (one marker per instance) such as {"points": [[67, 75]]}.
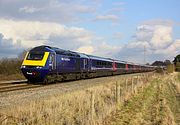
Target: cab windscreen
{"points": [[35, 56]]}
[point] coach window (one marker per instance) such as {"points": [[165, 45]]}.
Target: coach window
{"points": [[100, 63], [97, 63], [103, 63]]}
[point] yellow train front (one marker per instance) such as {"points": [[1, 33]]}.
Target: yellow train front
{"points": [[37, 64]]}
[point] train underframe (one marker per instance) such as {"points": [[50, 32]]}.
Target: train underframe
{"points": [[52, 78]]}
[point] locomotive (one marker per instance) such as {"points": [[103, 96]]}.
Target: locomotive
{"points": [[49, 64]]}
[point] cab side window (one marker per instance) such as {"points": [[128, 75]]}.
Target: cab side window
{"points": [[51, 58]]}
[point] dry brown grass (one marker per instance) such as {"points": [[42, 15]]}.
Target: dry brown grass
{"points": [[18, 76], [157, 104], [72, 108], [82, 107]]}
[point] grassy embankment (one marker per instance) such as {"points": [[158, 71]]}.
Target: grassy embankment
{"points": [[151, 100], [10, 69], [157, 104], [81, 107]]}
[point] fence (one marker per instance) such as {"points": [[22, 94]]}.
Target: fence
{"points": [[124, 89]]}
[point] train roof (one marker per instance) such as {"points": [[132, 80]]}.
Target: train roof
{"points": [[40, 48], [100, 58], [56, 50], [82, 55]]}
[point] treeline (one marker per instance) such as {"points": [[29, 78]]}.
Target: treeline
{"points": [[161, 63], [9, 66]]}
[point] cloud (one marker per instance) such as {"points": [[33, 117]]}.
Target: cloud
{"points": [[105, 50], [28, 34], [86, 49], [113, 18], [34, 33], [118, 3], [29, 9], [46, 10], [159, 22], [154, 38], [8, 48], [156, 35], [157, 40]]}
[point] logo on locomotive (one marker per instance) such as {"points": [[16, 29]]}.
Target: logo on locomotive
{"points": [[65, 59]]}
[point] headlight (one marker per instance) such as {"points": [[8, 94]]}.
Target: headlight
{"points": [[23, 66], [38, 67]]}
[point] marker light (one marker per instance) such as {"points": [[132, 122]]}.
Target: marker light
{"points": [[38, 67], [23, 66]]}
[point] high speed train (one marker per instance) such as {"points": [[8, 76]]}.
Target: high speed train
{"points": [[49, 64]]}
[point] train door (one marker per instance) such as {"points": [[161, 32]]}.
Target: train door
{"points": [[114, 66], [127, 68], [85, 64], [52, 61]]}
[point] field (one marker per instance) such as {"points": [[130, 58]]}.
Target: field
{"points": [[141, 99]]}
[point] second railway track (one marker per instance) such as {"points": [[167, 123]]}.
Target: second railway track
{"points": [[14, 86]]}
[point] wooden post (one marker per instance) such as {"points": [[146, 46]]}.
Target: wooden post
{"points": [[142, 83], [147, 78], [132, 84], [117, 93], [135, 88], [137, 79], [92, 108], [126, 84]]}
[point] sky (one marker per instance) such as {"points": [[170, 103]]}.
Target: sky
{"points": [[140, 31]]}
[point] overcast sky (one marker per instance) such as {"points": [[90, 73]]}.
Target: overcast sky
{"points": [[118, 29]]}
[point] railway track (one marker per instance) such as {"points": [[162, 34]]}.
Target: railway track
{"points": [[3, 83], [16, 85]]}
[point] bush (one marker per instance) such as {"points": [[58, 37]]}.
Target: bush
{"points": [[10, 66]]}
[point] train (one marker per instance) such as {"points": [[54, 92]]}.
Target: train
{"points": [[50, 64], [177, 63]]}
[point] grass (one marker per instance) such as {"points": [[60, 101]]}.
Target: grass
{"points": [[157, 104], [133, 112], [82, 107], [18, 76], [178, 77], [72, 108]]}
